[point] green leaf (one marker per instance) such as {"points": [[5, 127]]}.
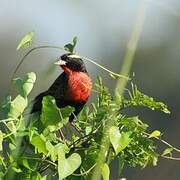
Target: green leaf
{"points": [[67, 166], [18, 170], [88, 130], [1, 140], [12, 147], [121, 163], [35, 176], [13, 109], [167, 151], [70, 46], [1, 175], [119, 140], [25, 85], [113, 76], [26, 164], [44, 177], [118, 98], [39, 142], [105, 172], [75, 40], [154, 134], [26, 41], [30, 164], [17, 106], [52, 151], [11, 126], [140, 99], [52, 115]]}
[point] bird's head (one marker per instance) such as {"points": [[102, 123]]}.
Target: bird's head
{"points": [[71, 62]]}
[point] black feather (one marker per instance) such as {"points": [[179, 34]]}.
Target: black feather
{"points": [[59, 91]]}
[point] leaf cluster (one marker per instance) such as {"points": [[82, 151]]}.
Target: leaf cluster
{"points": [[44, 145]]}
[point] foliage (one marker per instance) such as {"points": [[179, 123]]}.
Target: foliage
{"points": [[70, 46], [31, 149], [45, 146], [26, 41]]}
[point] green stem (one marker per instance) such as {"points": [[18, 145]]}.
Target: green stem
{"points": [[104, 149], [39, 159], [86, 172], [7, 120], [171, 158], [131, 47], [105, 69], [29, 52], [61, 48], [121, 84], [164, 142]]}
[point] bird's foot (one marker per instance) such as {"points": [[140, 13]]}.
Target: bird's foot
{"points": [[61, 134], [77, 130]]}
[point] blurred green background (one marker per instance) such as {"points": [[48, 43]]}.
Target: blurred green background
{"points": [[103, 28]]}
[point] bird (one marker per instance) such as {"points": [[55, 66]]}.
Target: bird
{"points": [[71, 88]]}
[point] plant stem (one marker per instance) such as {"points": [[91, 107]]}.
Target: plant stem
{"points": [[39, 159], [164, 142], [86, 172], [105, 143], [102, 67], [121, 84], [8, 120], [171, 158], [131, 47], [29, 52]]}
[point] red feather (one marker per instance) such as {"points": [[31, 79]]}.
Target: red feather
{"points": [[79, 86]]}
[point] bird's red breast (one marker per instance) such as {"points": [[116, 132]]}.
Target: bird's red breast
{"points": [[79, 85]]}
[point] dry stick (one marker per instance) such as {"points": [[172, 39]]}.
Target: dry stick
{"points": [[129, 56]]}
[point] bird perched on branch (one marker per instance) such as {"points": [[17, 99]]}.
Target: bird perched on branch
{"points": [[71, 88]]}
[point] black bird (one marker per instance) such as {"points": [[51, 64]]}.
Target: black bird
{"points": [[71, 88]]}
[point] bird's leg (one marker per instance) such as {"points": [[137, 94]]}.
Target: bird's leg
{"points": [[61, 135], [75, 128]]}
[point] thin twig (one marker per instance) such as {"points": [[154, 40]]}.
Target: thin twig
{"points": [[40, 159], [171, 158], [164, 142], [102, 67], [86, 172], [31, 50]]}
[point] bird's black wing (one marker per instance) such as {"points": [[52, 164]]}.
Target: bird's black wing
{"points": [[58, 90], [59, 87]]}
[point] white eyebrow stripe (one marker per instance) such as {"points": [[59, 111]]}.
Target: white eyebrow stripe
{"points": [[74, 56]]}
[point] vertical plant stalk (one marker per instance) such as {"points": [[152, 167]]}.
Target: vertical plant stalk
{"points": [[121, 84], [131, 47]]}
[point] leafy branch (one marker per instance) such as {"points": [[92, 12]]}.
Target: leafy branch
{"points": [[127, 136], [27, 40], [30, 147]]}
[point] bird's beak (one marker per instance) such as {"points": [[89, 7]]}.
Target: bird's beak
{"points": [[60, 62]]}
